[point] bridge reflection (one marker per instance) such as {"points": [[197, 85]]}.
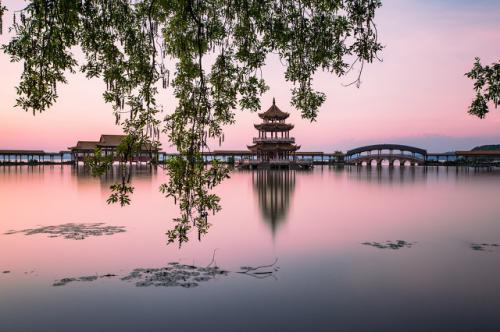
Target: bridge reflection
{"points": [[274, 190], [387, 176]]}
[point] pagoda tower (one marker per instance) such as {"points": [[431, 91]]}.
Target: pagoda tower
{"points": [[274, 143]]}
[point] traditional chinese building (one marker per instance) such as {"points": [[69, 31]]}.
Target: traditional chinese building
{"points": [[108, 145], [274, 146]]}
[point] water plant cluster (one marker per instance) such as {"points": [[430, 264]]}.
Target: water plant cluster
{"points": [[395, 245], [484, 246], [72, 231], [65, 281], [175, 274]]}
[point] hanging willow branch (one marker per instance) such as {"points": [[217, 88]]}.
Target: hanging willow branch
{"points": [[487, 87], [218, 49], [3, 9]]}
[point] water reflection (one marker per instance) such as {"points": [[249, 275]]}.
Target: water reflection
{"points": [[407, 175], [447, 281], [116, 173], [82, 173], [274, 190], [386, 175]]}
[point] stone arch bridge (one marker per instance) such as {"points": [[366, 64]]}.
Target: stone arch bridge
{"points": [[389, 152]]}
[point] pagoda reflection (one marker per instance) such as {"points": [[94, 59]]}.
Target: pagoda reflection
{"points": [[274, 192]]}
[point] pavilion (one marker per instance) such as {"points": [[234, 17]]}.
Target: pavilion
{"points": [[274, 148], [108, 145]]}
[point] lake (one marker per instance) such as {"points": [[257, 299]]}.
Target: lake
{"points": [[290, 251]]}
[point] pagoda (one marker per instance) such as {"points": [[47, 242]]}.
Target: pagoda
{"points": [[274, 144]]}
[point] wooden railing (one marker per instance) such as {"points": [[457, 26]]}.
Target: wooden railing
{"points": [[274, 140]]}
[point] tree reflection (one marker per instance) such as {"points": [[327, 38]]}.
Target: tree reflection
{"points": [[274, 191]]}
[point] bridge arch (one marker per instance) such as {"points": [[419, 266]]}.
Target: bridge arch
{"points": [[390, 152]]}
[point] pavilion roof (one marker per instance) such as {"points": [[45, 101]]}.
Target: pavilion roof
{"points": [[273, 147], [85, 145], [274, 126], [108, 141], [274, 113], [111, 140]]}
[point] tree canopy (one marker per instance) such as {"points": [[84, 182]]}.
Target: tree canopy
{"points": [[487, 87], [218, 48]]}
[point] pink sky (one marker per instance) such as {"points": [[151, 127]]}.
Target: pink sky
{"points": [[418, 95]]}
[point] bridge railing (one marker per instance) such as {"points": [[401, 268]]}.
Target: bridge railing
{"points": [[385, 156], [387, 147]]}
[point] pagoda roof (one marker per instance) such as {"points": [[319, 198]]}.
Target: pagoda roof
{"points": [[273, 147], [274, 113], [273, 126]]}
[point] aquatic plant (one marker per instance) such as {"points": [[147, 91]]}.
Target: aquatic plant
{"points": [[395, 245], [72, 231], [484, 246], [175, 274]]}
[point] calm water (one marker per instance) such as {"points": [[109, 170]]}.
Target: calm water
{"points": [[312, 222]]}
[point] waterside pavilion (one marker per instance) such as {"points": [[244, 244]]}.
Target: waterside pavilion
{"points": [[108, 145], [274, 148]]}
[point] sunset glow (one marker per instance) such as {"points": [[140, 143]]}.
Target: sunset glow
{"points": [[418, 92]]}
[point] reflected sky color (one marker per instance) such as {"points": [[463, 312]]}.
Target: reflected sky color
{"points": [[313, 222], [418, 95]]}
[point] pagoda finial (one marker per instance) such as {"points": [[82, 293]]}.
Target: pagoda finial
{"points": [[274, 102]]}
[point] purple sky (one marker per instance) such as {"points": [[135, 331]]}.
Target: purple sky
{"points": [[418, 95]]}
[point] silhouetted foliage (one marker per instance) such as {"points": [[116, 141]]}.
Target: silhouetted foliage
{"points": [[491, 147], [2, 11], [98, 163], [487, 87], [218, 49]]}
